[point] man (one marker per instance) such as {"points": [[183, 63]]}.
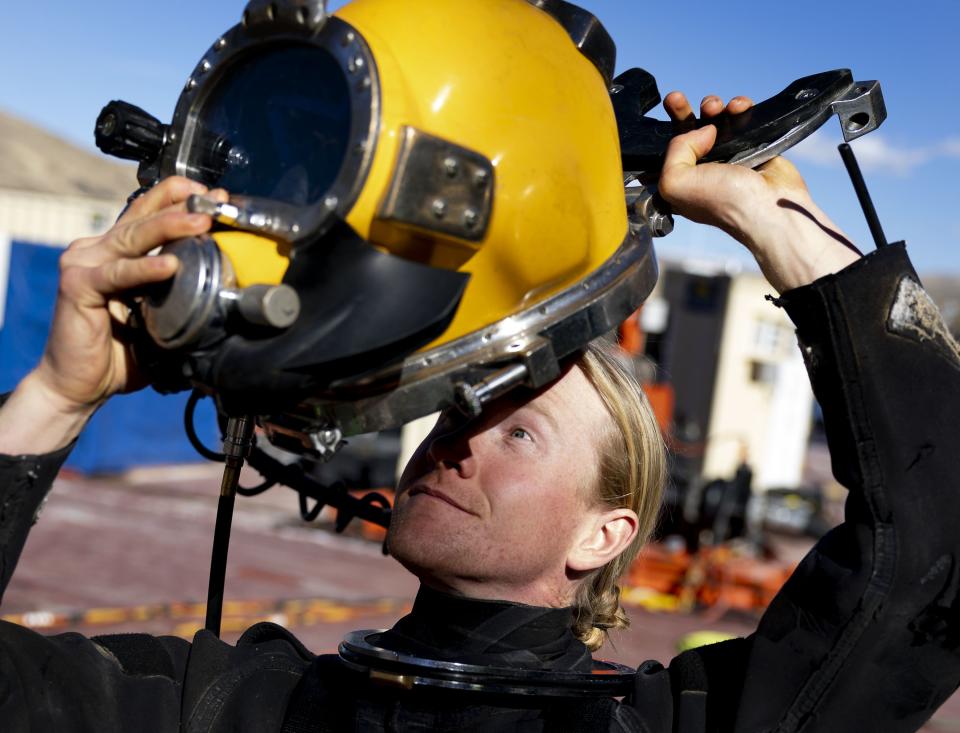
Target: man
{"points": [[498, 521]]}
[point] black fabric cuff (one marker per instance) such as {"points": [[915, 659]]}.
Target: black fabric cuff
{"points": [[878, 273], [25, 481]]}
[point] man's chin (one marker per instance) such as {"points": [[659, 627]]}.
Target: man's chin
{"points": [[425, 546]]}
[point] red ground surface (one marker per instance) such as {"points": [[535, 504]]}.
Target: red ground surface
{"points": [[120, 543]]}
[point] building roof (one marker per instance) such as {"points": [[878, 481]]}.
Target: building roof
{"points": [[32, 159]]}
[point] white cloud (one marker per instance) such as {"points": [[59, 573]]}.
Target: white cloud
{"points": [[951, 147], [874, 152], [818, 148]]}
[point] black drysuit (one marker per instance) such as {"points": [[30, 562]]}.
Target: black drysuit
{"points": [[863, 637]]}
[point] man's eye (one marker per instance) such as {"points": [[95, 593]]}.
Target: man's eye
{"points": [[520, 434]]}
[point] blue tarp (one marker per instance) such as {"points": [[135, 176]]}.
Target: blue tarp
{"points": [[144, 428]]}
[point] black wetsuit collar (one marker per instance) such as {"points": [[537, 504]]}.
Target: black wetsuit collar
{"points": [[495, 633]]}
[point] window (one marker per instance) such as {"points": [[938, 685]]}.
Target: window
{"points": [[762, 372], [767, 338]]}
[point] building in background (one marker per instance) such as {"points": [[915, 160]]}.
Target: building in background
{"points": [[740, 391], [52, 191]]}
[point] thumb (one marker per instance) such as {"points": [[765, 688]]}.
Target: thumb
{"points": [[683, 152]]}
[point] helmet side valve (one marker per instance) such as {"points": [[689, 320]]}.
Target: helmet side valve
{"points": [[237, 441], [274, 306]]}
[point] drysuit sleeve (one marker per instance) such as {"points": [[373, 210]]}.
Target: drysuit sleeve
{"points": [[865, 634], [128, 682], [68, 682], [25, 482]]}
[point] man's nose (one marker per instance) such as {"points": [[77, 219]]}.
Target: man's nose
{"points": [[451, 448]]}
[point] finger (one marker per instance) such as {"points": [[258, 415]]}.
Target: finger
{"points": [[711, 106], [739, 105], [170, 191], [141, 236], [119, 276], [678, 107], [683, 152]]}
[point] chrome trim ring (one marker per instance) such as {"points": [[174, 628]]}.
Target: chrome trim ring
{"points": [[359, 653], [539, 337], [355, 59]]}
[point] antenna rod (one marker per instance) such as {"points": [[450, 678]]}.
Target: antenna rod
{"points": [[860, 186]]}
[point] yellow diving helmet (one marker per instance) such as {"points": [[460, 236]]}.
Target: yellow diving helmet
{"points": [[427, 208]]}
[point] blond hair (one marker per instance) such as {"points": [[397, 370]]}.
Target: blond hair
{"points": [[632, 472]]}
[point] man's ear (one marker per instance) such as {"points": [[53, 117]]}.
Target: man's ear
{"points": [[603, 536]]}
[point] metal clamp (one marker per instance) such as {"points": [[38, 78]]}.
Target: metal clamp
{"points": [[440, 186], [326, 442], [861, 109]]}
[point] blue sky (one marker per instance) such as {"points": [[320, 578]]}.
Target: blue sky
{"points": [[61, 61]]}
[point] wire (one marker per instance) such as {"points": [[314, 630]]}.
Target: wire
{"points": [[192, 436], [188, 423], [258, 489], [372, 507], [308, 515]]}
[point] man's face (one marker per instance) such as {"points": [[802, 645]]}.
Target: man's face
{"points": [[491, 508]]}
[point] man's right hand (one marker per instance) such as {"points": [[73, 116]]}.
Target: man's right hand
{"points": [[86, 359], [769, 209]]}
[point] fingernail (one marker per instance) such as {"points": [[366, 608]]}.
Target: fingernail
{"points": [[167, 262]]}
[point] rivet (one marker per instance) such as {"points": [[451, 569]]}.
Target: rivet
{"points": [[348, 38], [439, 208], [191, 84], [365, 83], [205, 66], [355, 64], [451, 166], [470, 218], [220, 44], [480, 178], [295, 228], [171, 136], [331, 202]]}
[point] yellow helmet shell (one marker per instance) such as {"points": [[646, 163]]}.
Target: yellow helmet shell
{"points": [[483, 145], [502, 78]]}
